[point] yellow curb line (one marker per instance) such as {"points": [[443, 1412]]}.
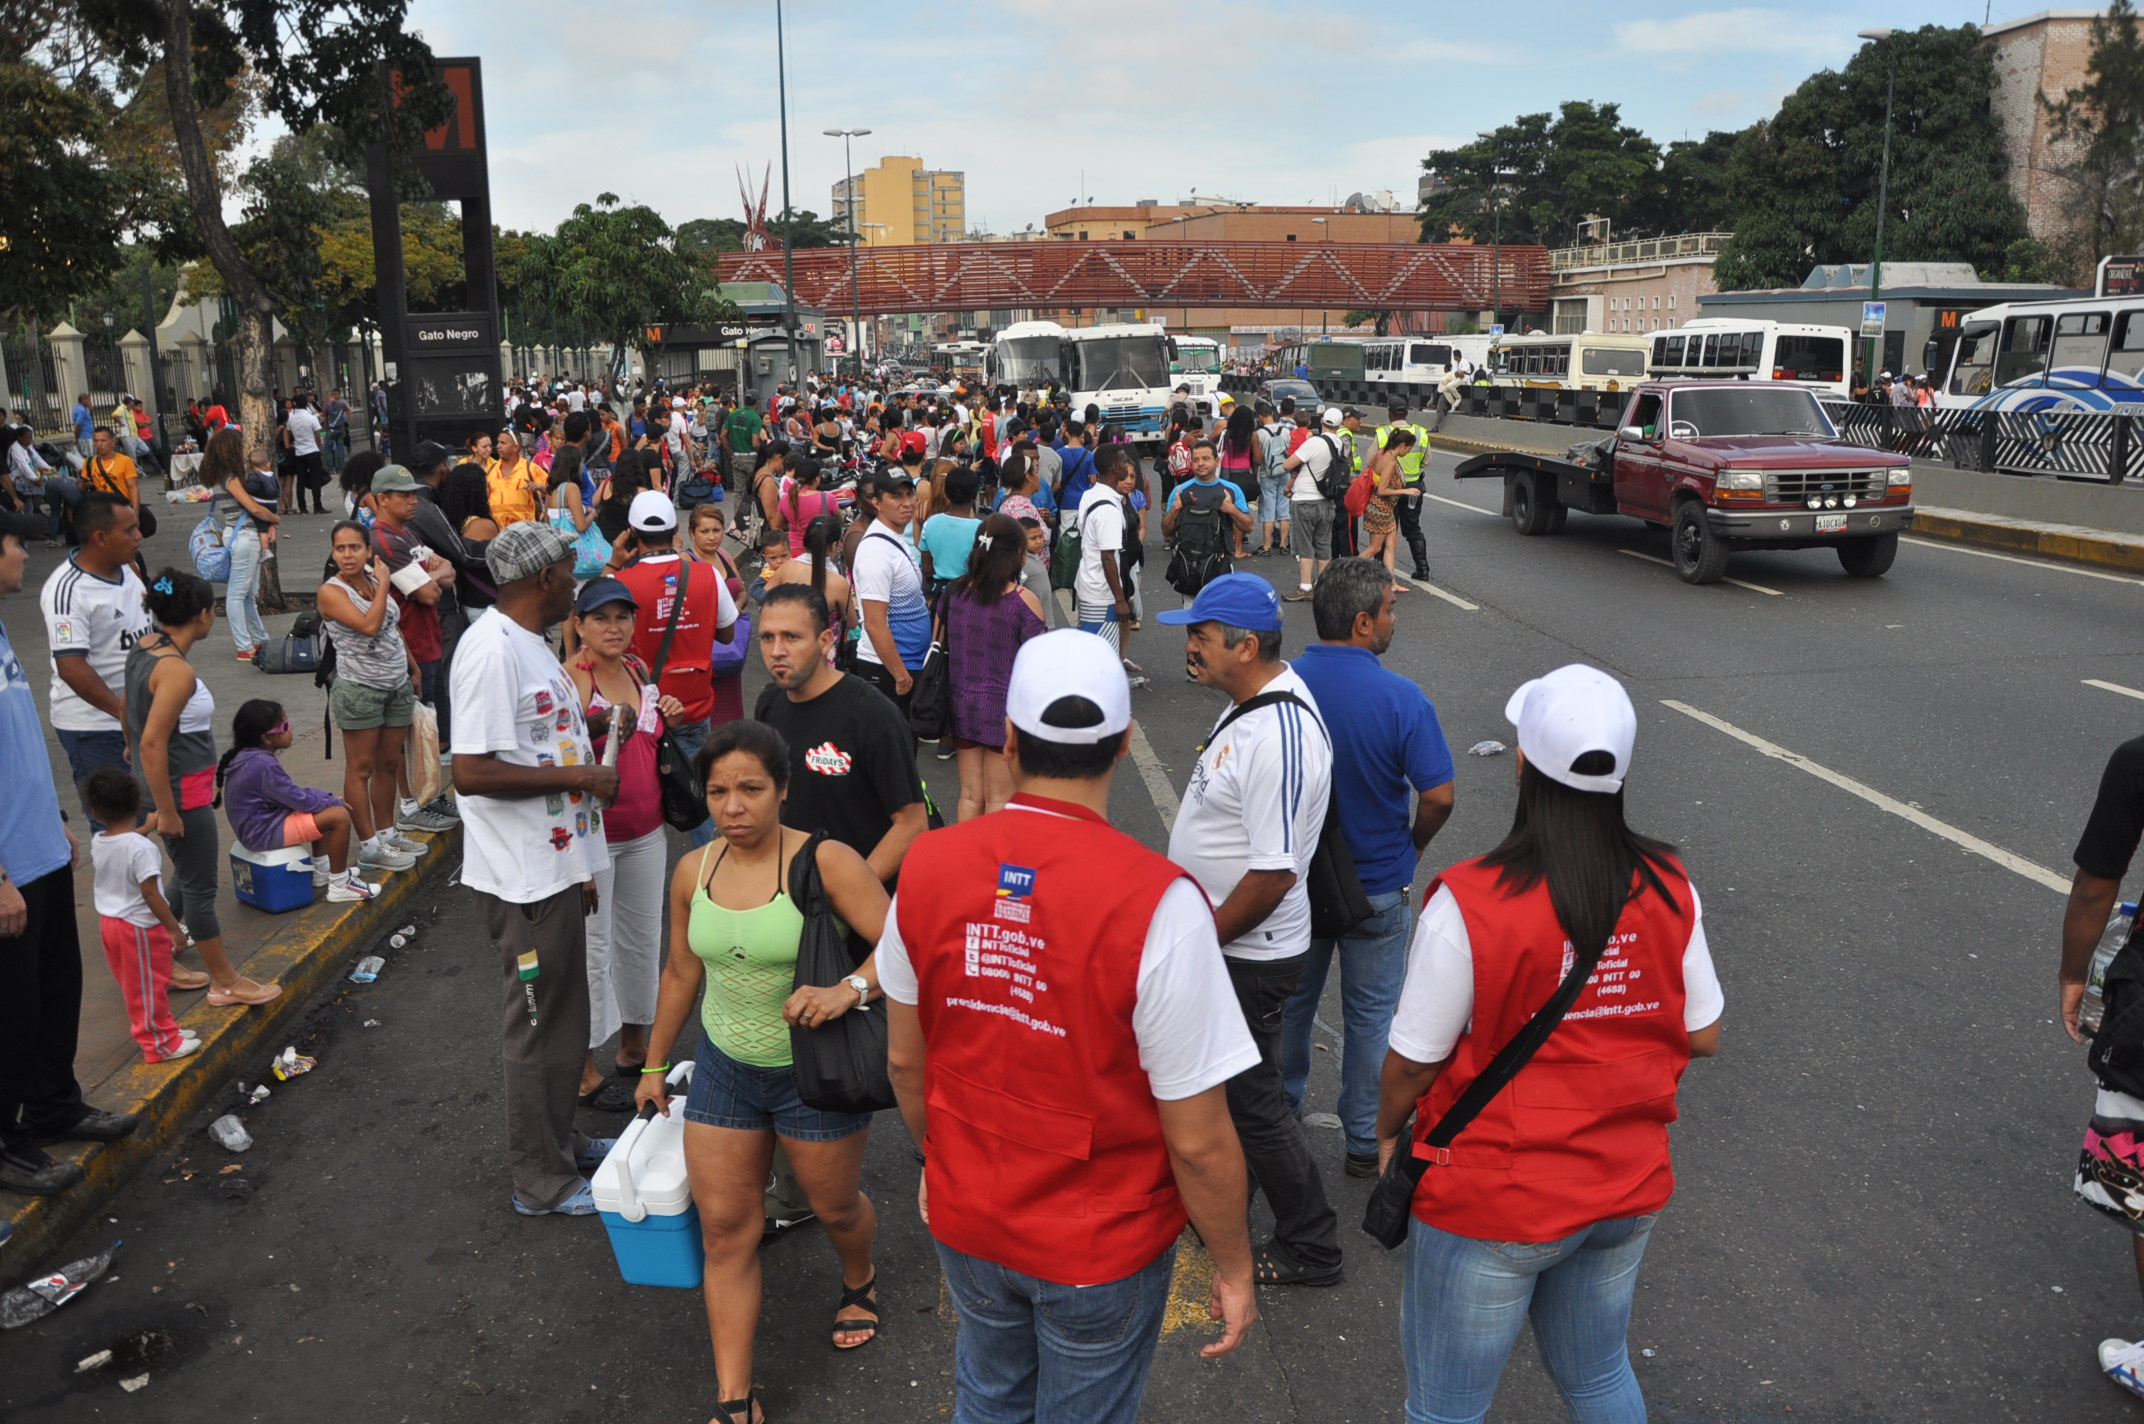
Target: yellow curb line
{"points": [[304, 951]]}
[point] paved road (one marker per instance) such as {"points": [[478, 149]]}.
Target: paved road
{"points": [[1873, 1221]]}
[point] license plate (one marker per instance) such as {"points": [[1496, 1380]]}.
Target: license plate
{"points": [[1830, 523]]}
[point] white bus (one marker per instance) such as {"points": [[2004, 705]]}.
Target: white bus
{"points": [[1575, 361], [1123, 368], [1723, 349], [2078, 354], [1196, 362], [1027, 355], [1421, 360]]}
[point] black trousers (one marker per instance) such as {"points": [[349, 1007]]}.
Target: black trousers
{"points": [[1410, 517], [881, 677], [1305, 1229], [41, 1015]]}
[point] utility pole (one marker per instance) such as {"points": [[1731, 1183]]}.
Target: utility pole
{"points": [[1883, 194], [848, 163], [789, 235]]}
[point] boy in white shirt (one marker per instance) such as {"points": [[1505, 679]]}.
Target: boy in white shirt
{"points": [[140, 932]]}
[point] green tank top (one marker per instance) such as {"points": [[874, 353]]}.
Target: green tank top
{"points": [[751, 959]]}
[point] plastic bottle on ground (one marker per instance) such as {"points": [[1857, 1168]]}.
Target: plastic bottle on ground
{"points": [[230, 1133]]}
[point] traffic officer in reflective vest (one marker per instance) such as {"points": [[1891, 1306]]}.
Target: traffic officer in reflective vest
{"points": [[1348, 530], [1409, 510], [1061, 1027]]}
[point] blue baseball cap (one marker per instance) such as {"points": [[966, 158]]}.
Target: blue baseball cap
{"points": [[599, 591], [1239, 600]]}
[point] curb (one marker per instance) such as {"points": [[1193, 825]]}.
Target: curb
{"points": [[2068, 543], [305, 951]]}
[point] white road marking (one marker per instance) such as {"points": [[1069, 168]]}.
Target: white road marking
{"points": [[1670, 563], [2053, 568], [2114, 687], [1452, 598], [1151, 772], [1461, 504], [2017, 864]]}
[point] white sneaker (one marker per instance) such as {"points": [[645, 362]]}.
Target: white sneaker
{"points": [[186, 1049], [321, 874], [350, 890], [2121, 1360], [387, 857], [394, 837]]}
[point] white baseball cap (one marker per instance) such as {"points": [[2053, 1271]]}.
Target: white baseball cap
{"points": [[1068, 663], [652, 511], [1332, 415], [677, 402], [1567, 713]]}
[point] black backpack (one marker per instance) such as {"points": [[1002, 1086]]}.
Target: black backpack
{"points": [[1201, 554], [2116, 1054], [1339, 470]]}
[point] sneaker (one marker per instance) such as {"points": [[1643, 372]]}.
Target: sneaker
{"points": [[400, 841], [581, 1203], [2121, 1360], [186, 1049], [442, 805], [32, 1171], [424, 818], [387, 857], [1301, 595], [321, 874], [350, 890], [245, 655]]}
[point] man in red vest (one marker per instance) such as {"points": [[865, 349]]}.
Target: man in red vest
{"points": [[1061, 1030]]}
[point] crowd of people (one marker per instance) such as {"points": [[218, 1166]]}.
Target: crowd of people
{"points": [[1090, 1042]]}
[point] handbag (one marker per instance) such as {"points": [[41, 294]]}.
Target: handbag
{"points": [[684, 798], [839, 1066], [591, 551], [728, 659], [1391, 1204], [1338, 902], [930, 700]]}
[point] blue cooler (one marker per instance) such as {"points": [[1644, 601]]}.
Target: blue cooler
{"points": [[273, 880], [646, 1199]]}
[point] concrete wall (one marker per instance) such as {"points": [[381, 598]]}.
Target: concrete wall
{"points": [[2043, 53]]}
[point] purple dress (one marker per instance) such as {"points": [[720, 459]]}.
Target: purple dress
{"points": [[981, 641]]}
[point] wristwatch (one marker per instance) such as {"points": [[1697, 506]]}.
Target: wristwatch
{"points": [[862, 986]]}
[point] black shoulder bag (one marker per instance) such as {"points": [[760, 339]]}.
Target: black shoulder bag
{"points": [[1392, 1199], [930, 700], [1338, 902], [838, 1066], [684, 799]]}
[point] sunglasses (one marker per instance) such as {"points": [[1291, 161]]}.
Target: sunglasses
{"points": [[280, 729]]}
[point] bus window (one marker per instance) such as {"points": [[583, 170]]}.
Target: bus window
{"points": [[1670, 348], [1809, 358], [2125, 363], [1712, 352], [1753, 351], [2024, 351], [2080, 349], [1974, 375], [1423, 353], [1609, 361]]}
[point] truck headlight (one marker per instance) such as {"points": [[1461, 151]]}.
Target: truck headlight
{"points": [[1739, 484], [1901, 476]]}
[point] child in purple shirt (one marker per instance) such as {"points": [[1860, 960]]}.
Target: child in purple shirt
{"points": [[269, 811]]}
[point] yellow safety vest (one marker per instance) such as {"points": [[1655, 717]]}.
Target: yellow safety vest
{"points": [[1411, 462]]}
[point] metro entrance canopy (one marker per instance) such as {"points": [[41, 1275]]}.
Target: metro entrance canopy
{"points": [[973, 276]]}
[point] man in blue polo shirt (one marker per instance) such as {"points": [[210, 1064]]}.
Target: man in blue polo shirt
{"points": [[1386, 743]]}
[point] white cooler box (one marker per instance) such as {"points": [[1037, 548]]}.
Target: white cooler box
{"points": [[646, 1199]]}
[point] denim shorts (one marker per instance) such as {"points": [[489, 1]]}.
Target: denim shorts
{"points": [[726, 1093], [1272, 496]]}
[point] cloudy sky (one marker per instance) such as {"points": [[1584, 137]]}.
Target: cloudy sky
{"points": [[1276, 101]]}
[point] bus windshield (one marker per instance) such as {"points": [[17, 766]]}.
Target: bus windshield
{"points": [[1117, 363], [1197, 358], [1025, 360], [1749, 410], [1809, 358]]}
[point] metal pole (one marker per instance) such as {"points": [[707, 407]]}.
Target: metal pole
{"points": [[848, 163], [156, 364], [1883, 201], [789, 268]]}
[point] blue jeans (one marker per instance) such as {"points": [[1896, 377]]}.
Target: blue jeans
{"points": [[690, 737], [1464, 1300], [1035, 1352], [86, 751], [1373, 964], [239, 608]]}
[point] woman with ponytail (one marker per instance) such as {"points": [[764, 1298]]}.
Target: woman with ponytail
{"points": [[268, 811], [988, 615], [1582, 941], [817, 567]]}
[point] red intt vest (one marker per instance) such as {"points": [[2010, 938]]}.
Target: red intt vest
{"points": [[1044, 1152], [1580, 1135]]}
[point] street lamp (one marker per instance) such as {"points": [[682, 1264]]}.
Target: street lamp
{"points": [[1496, 244], [1883, 188], [1320, 222], [112, 346], [848, 163], [789, 266]]}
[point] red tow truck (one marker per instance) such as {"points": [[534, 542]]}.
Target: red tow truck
{"points": [[1721, 465]]}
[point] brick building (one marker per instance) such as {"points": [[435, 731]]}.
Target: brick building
{"points": [[2039, 54]]}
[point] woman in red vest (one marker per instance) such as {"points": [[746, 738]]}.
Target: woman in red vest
{"points": [[1541, 1204]]}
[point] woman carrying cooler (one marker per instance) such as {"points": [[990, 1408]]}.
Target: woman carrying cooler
{"points": [[171, 736], [1540, 1207], [734, 934]]}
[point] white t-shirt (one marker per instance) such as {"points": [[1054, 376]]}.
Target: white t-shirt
{"points": [[576, 400], [1101, 528], [887, 571], [97, 618], [1191, 1034], [304, 429], [512, 699], [1256, 801], [120, 863], [1316, 453], [1437, 1001]]}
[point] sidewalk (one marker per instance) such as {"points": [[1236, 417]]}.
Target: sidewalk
{"points": [[301, 950]]}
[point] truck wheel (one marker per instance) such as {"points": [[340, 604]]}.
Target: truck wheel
{"points": [[1869, 558], [1700, 554], [1530, 511], [1558, 513]]}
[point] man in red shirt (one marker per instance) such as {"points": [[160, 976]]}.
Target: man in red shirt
{"points": [[707, 614]]}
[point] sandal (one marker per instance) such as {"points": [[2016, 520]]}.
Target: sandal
{"points": [[1270, 1268], [753, 1414], [865, 1295]]}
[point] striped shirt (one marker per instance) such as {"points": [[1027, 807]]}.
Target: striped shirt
{"points": [[1256, 801]]}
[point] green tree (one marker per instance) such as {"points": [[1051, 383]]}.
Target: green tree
{"points": [[704, 238], [1367, 316], [1804, 183], [811, 230], [1545, 173], [2102, 123], [1690, 191], [614, 271]]}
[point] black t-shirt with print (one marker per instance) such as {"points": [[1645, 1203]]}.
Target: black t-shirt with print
{"points": [[852, 761], [2110, 836]]}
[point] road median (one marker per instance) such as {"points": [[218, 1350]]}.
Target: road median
{"points": [[305, 951]]}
